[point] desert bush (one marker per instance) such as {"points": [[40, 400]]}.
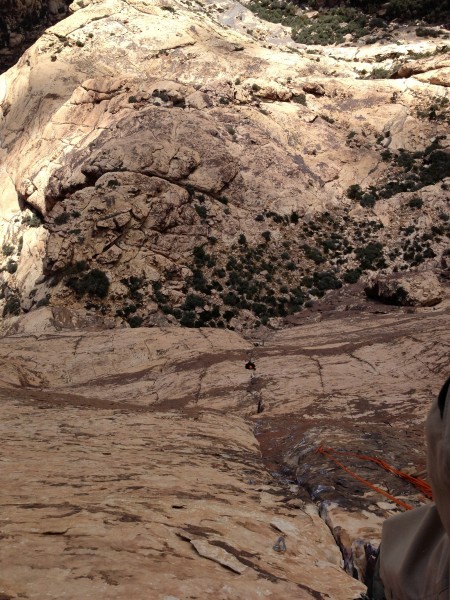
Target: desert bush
{"points": [[368, 200], [201, 211], [94, 283], [326, 280], [12, 306], [299, 98], [11, 266], [62, 219], [415, 202], [371, 256], [354, 192], [134, 284], [135, 321], [352, 275], [192, 301], [188, 319], [313, 254]]}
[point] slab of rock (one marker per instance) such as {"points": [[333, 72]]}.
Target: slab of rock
{"points": [[108, 501], [413, 289]]}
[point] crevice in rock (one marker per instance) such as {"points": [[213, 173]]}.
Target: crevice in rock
{"points": [[25, 205]]}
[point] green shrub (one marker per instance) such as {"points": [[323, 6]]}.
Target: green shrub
{"points": [[200, 256], [266, 235], [415, 202], [135, 321], [7, 249], [326, 280], [427, 32], [32, 221], [158, 296], [313, 254], [94, 283], [193, 301], [379, 73], [188, 319], [371, 256], [354, 192], [201, 211], [299, 98], [11, 266], [12, 306], [62, 219], [134, 284], [367, 200], [352, 275], [230, 298]]}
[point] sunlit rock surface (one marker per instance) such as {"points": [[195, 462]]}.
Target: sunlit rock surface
{"points": [[131, 462]]}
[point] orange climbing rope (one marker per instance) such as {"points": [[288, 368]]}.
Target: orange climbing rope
{"points": [[420, 484]]}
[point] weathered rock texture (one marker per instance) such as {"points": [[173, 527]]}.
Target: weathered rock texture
{"points": [[416, 289], [131, 465], [166, 163], [123, 492], [134, 133]]}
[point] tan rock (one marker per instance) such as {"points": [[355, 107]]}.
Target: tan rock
{"points": [[413, 289], [436, 77], [150, 512]]}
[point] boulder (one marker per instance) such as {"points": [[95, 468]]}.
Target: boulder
{"points": [[412, 289]]}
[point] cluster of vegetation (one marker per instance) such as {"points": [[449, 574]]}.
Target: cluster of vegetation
{"points": [[327, 27], [12, 306], [277, 275], [134, 301], [93, 282], [431, 11], [356, 17], [410, 172], [273, 278], [437, 110], [11, 266], [33, 220]]}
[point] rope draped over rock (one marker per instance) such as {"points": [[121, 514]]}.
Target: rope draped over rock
{"points": [[420, 484]]}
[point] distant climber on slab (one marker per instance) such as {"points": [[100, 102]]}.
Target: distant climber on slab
{"points": [[250, 365], [414, 559]]}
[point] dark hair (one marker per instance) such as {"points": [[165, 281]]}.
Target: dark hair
{"points": [[442, 396]]}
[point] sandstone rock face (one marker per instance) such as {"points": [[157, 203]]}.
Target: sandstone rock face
{"points": [[152, 505], [418, 289], [170, 163], [133, 135], [134, 463], [123, 492], [432, 64]]}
